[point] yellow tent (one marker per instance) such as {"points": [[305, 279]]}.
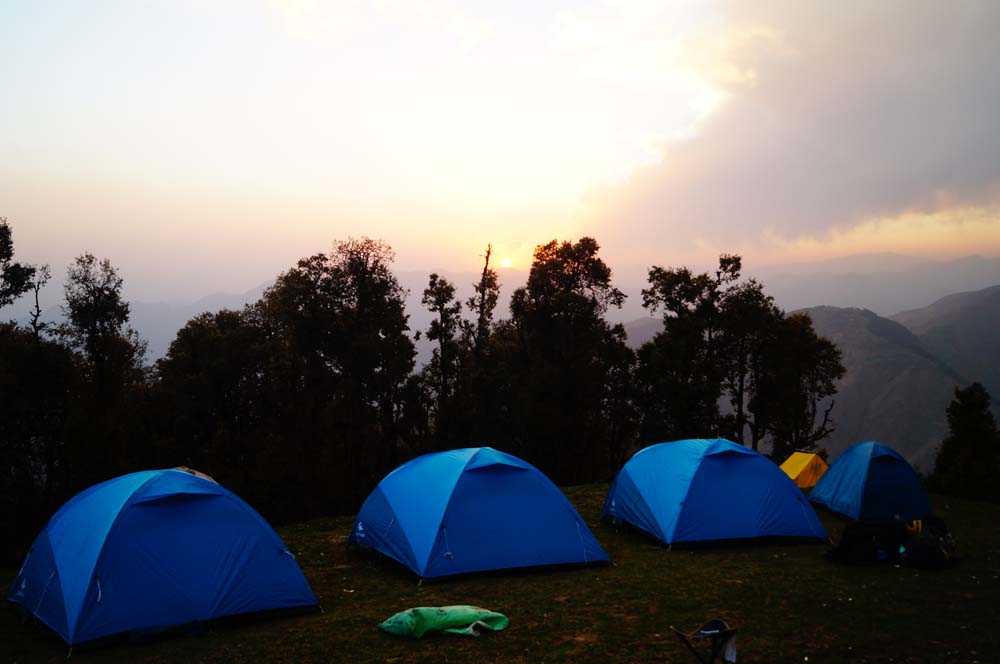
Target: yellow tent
{"points": [[805, 468]]}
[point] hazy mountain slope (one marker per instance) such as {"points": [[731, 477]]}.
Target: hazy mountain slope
{"points": [[963, 330], [158, 322], [641, 330], [884, 284], [894, 390]]}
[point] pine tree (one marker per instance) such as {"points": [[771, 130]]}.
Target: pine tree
{"points": [[967, 462]]}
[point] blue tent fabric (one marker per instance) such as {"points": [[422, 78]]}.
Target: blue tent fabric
{"points": [[872, 482], [472, 510], [152, 550], [705, 490]]}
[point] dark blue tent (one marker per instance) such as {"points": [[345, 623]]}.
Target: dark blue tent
{"points": [[702, 490], [472, 510], [152, 550], [872, 482]]}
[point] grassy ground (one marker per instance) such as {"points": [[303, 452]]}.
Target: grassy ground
{"points": [[789, 603]]}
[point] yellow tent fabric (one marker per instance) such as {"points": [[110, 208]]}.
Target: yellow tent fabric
{"points": [[804, 468]]}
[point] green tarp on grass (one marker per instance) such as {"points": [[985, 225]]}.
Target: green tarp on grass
{"points": [[459, 619]]}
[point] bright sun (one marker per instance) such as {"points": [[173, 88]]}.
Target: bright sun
{"points": [[506, 263]]}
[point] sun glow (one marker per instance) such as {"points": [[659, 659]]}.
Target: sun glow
{"points": [[506, 262], [420, 117]]}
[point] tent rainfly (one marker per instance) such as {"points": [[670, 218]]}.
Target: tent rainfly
{"points": [[805, 469], [472, 510], [152, 550], [872, 482], [704, 490]]}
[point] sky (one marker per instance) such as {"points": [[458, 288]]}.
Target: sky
{"points": [[205, 146]]}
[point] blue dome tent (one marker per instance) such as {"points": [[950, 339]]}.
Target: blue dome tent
{"points": [[472, 510], [872, 482], [152, 550], [705, 490]]}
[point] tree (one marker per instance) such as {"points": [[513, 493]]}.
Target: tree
{"points": [[447, 368], [749, 319], [15, 278], [106, 417], [345, 313], [478, 409], [41, 278], [680, 371], [341, 320], [482, 304], [439, 298], [967, 463], [224, 398], [568, 281], [563, 358], [215, 375], [309, 387], [793, 387], [39, 384], [97, 315], [724, 338]]}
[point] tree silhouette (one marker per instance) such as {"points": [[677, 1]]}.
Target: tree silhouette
{"points": [[447, 366], [312, 386], [41, 278], [724, 338], [439, 298], [96, 313], [680, 370], [564, 359], [967, 463], [482, 304], [341, 320], [749, 322], [799, 374], [480, 411], [39, 384], [103, 442], [15, 278]]}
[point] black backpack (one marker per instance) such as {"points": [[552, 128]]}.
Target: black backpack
{"points": [[929, 545], [870, 542]]}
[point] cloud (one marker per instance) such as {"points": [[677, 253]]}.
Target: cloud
{"points": [[311, 19], [953, 232], [835, 114]]}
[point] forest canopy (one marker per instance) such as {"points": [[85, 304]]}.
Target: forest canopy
{"points": [[301, 401]]}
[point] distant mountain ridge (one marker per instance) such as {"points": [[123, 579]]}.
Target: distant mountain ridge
{"points": [[883, 283], [894, 391], [962, 329], [158, 322]]}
